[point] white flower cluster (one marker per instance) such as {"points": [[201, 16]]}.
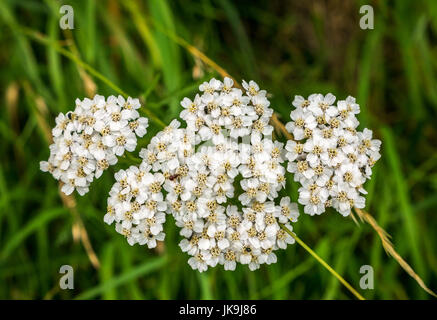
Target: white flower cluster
{"points": [[197, 170], [137, 205], [89, 139], [328, 156], [220, 175]]}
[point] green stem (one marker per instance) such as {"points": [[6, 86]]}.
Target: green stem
{"points": [[323, 263], [44, 40]]}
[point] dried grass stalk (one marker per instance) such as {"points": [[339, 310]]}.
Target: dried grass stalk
{"points": [[389, 249]]}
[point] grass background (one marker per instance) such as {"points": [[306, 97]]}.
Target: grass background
{"points": [[289, 47]]}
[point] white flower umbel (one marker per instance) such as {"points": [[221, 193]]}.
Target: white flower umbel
{"points": [[193, 173], [229, 132], [88, 140], [328, 156]]}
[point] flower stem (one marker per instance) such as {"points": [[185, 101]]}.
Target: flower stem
{"points": [[323, 263]]}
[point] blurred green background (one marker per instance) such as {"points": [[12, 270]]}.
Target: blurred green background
{"points": [[288, 47]]}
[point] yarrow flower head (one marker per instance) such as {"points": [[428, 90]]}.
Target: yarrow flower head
{"points": [[328, 156], [218, 173], [196, 171], [88, 140]]}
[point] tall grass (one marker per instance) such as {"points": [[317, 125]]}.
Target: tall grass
{"points": [[289, 48]]}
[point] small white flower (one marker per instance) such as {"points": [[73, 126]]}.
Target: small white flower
{"points": [[287, 211], [302, 120]]}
